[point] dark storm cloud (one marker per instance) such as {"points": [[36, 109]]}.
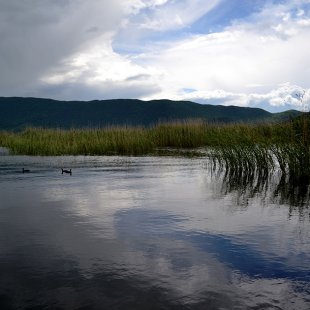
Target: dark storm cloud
{"points": [[37, 35]]}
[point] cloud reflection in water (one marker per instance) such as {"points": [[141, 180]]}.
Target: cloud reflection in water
{"points": [[143, 232]]}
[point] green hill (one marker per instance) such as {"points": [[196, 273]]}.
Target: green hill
{"points": [[17, 113]]}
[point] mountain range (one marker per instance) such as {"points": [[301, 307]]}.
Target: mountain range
{"points": [[17, 113]]}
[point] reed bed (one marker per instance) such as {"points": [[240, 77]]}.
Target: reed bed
{"points": [[131, 140], [110, 141], [237, 146]]}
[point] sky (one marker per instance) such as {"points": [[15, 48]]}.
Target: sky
{"points": [[252, 53]]}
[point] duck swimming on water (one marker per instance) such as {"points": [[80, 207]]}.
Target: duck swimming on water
{"points": [[26, 170], [66, 171]]}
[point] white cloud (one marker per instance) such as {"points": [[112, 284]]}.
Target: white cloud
{"points": [[285, 96], [176, 14], [98, 72], [232, 60], [267, 51]]}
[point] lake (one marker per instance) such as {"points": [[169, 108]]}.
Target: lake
{"points": [[150, 233]]}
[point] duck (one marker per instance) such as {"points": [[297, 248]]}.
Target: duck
{"points": [[66, 171], [26, 170]]}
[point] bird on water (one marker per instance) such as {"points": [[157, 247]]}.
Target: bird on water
{"points": [[25, 170], [66, 171]]}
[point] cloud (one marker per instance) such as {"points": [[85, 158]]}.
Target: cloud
{"points": [[74, 49], [157, 19], [129, 88], [235, 58], [98, 72], [37, 35], [268, 49], [176, 14], [285, 96], [57, 44], [100, 91]]}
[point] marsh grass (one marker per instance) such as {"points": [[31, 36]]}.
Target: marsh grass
{"points": [[284, 146], [236, 146], [110, 141]]}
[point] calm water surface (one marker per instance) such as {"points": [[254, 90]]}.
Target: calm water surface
{"points": [[149, 233]]}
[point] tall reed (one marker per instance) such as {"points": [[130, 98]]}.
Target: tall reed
{"points": [[241, 146], [126, 141]]}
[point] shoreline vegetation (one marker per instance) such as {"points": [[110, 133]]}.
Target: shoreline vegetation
{"points": [[235, 146]]}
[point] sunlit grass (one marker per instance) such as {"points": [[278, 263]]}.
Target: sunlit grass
{"points": [[109, 141]]}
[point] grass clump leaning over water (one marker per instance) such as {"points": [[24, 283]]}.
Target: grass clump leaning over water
{"points": [[237, 146], [284, 145]]}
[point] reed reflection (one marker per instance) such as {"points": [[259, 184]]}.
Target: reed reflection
{"points": [[294, 191], [269, 184]]}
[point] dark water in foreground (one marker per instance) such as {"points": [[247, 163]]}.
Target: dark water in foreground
{"points": [[149, 233]]}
